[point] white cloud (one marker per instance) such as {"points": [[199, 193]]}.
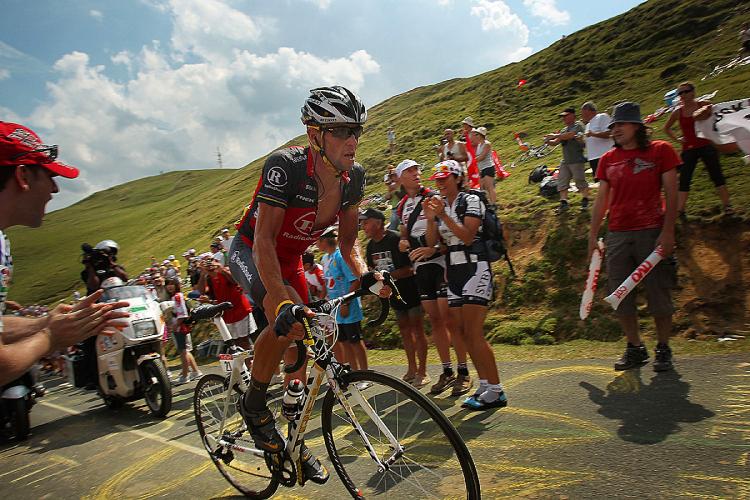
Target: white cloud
{"points": [[496, 15], [548, 11], [210, 28], [170, 114], [96, 14], [322, 4], [4, 74]]}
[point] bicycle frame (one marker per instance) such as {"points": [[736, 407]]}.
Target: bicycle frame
{"points": [[323, 366]]}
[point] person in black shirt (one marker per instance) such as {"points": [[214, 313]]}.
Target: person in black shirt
{"points": [[383, 254]]}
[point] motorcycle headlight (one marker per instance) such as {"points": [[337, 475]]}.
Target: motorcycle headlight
{"points": [[144, 329]]}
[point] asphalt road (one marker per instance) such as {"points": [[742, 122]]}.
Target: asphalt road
{"points": [[573, 429]]}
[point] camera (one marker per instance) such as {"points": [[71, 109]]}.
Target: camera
{"points": [[99, 260]]}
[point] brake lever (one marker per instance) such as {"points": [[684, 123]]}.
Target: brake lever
{"points": [[389, 281]]}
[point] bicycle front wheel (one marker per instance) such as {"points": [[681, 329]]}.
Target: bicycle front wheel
{"points": [[246, 471], [433, 461]]}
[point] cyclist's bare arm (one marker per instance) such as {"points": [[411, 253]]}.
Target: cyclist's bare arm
{"points": [[266, 261], [348, 227]]}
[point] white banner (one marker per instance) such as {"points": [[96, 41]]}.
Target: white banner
{"points": [[730, 123]]}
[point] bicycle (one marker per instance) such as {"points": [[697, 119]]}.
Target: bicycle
{"points": [[530, 151], [382, 437]]}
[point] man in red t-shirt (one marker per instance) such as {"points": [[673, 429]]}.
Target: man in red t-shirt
{"points": [[216, 281], [632, 176]]}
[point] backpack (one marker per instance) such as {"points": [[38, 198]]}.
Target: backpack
{"points": [[493, 236], [548, 187], [538, 174]]}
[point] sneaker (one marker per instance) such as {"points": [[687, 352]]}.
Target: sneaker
{"points": [[663, 359], [312, 469], [476, 403], [363, 385], [421, 381], [182, 379], [262, 427], [408, 378], [445, 380], [562, 208], [585, 203], [462, 385], [194, 376], [633, 357]]}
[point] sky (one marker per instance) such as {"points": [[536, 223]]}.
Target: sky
{"points": [[132, 88]]}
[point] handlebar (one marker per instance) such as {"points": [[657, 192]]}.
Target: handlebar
{"points": [[369, 285]]}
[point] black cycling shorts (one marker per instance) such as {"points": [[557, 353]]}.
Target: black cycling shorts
{"points": [[431, 282], [350, 332], [409, 291]]}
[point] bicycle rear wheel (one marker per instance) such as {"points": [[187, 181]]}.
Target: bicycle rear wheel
{"points": [[435, 462], [246, 471]]}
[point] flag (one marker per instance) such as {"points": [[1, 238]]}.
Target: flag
{"points": [[471, 164], [729, 124]]}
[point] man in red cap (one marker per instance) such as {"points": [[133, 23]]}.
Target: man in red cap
{"points": [[27, 171]]}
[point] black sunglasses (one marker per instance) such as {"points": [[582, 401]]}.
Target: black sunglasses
{"points": [[344, 132], [680, 92], [50, 151]]}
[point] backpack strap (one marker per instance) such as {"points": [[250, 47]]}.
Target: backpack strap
{"points": [[414, 215]]}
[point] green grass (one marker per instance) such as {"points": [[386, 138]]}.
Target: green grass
{"points": [[637, 56]]}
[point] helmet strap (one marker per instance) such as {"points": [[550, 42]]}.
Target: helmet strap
{"points": [[320, 149]]}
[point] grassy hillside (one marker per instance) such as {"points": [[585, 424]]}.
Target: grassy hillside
{"points": [[636, 56]]}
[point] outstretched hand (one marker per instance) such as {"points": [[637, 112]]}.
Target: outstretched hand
{"points": [[69, 325]]}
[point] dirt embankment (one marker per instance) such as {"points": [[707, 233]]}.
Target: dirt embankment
{"points": [[711, 297]]}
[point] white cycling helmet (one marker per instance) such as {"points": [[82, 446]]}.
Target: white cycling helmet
{"points": [[112, 282], [329, 105], [110, 245]]}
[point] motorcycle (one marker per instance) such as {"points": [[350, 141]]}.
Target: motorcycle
{"points": [[129, 362], [15, 405]]}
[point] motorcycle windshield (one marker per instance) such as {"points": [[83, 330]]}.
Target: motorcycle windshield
{"points": [[124, 293]]}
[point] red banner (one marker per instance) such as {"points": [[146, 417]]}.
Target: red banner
{"points": [[471, 164]]}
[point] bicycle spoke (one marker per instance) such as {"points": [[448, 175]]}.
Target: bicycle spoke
{"points": [[425, 461]]}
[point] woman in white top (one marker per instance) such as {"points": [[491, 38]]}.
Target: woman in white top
{"points": [[483, 150], [456, 218]]}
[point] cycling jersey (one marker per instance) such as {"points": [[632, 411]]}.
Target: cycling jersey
{"points": [[416, 232], [458, 253], [288, 182]]}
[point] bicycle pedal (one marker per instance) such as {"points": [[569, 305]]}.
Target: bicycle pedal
{"points": [[282, 468]]}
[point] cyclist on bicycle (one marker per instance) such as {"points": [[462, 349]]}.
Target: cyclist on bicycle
{"points": [[300, 193]]}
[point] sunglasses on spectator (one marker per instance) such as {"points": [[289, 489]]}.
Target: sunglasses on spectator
{"points": [[50, 151], [344, 132], [686, 91]]}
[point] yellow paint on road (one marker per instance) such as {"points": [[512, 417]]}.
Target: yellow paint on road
{"points": [[593, 370]]}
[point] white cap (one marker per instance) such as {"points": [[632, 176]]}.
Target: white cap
{"points": [[406, 164], [468, 121], [225, 230], [171, 257], [481, 131]]}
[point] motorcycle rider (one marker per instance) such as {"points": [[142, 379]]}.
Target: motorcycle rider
{"points": [[100, 263], [27, 171]]}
